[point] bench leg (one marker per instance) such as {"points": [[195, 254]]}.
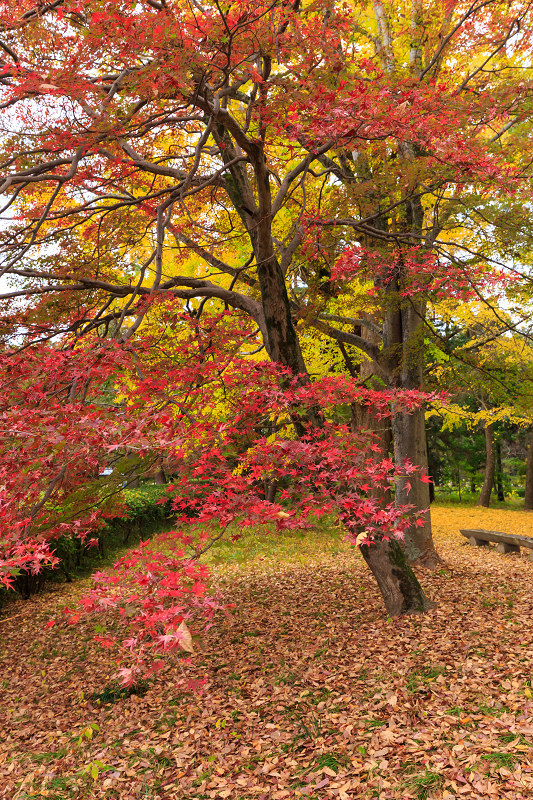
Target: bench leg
{"points": [[502, 547], [478, 542]]}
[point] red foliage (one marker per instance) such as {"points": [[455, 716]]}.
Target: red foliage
{"points": [[414, 271], [159, 120], [224, 424]]}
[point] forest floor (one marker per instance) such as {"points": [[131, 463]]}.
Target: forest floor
{"points": [[311, 691]]}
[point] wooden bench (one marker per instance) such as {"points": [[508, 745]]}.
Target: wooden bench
{"points": [[505, 542]]}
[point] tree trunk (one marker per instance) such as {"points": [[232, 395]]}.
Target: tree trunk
{"points": [[488, 480], [528, 496], [398, 584], [270, 490], [432, 473], [409, 436], [159, 477], [499, 471], [403, 340], [401, 591]]}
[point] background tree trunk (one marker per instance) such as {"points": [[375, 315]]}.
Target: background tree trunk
{"points": [[499, 471], [159, 476], [528, 496], [488, 480]]}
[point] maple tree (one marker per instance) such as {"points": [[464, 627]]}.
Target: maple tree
{"points": [[225, 424], [141, 138]]}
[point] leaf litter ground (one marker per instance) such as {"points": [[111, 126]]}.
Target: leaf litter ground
{"points": [[311, 692]]}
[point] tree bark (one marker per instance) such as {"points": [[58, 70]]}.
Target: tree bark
{"points": [[409, 436], [405, 435], [403, 343], [499, 471], [488, 480], [528, 496], [160, 477], [400, 589]]}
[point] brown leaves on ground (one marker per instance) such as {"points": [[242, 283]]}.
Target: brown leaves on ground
{"points": [[311, 691]]}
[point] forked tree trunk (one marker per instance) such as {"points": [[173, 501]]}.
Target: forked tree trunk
{"points": [[528, 496], [400, 589], [488, 480], [397, 582]]}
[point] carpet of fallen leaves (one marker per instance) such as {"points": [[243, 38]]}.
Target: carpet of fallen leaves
{"points": [[311, 691]]}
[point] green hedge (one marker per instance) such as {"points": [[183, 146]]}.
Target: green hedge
{"points": [[144, 517]]}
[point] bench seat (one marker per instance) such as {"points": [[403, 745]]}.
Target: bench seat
{"points": [[505, 542]]}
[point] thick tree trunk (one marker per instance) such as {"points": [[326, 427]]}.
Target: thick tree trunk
{"points": [[432, 472], [401, 591], [409, 437], [488, 480], [403, 343], [528, 496]]}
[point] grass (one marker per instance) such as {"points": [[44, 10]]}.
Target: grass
{"points": [[372, 724], [47, 758], [114, 692], [330, 760], [456, 711], [517, 738], [425, 784], [265, 546], [421, 677], [499, 760]]}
